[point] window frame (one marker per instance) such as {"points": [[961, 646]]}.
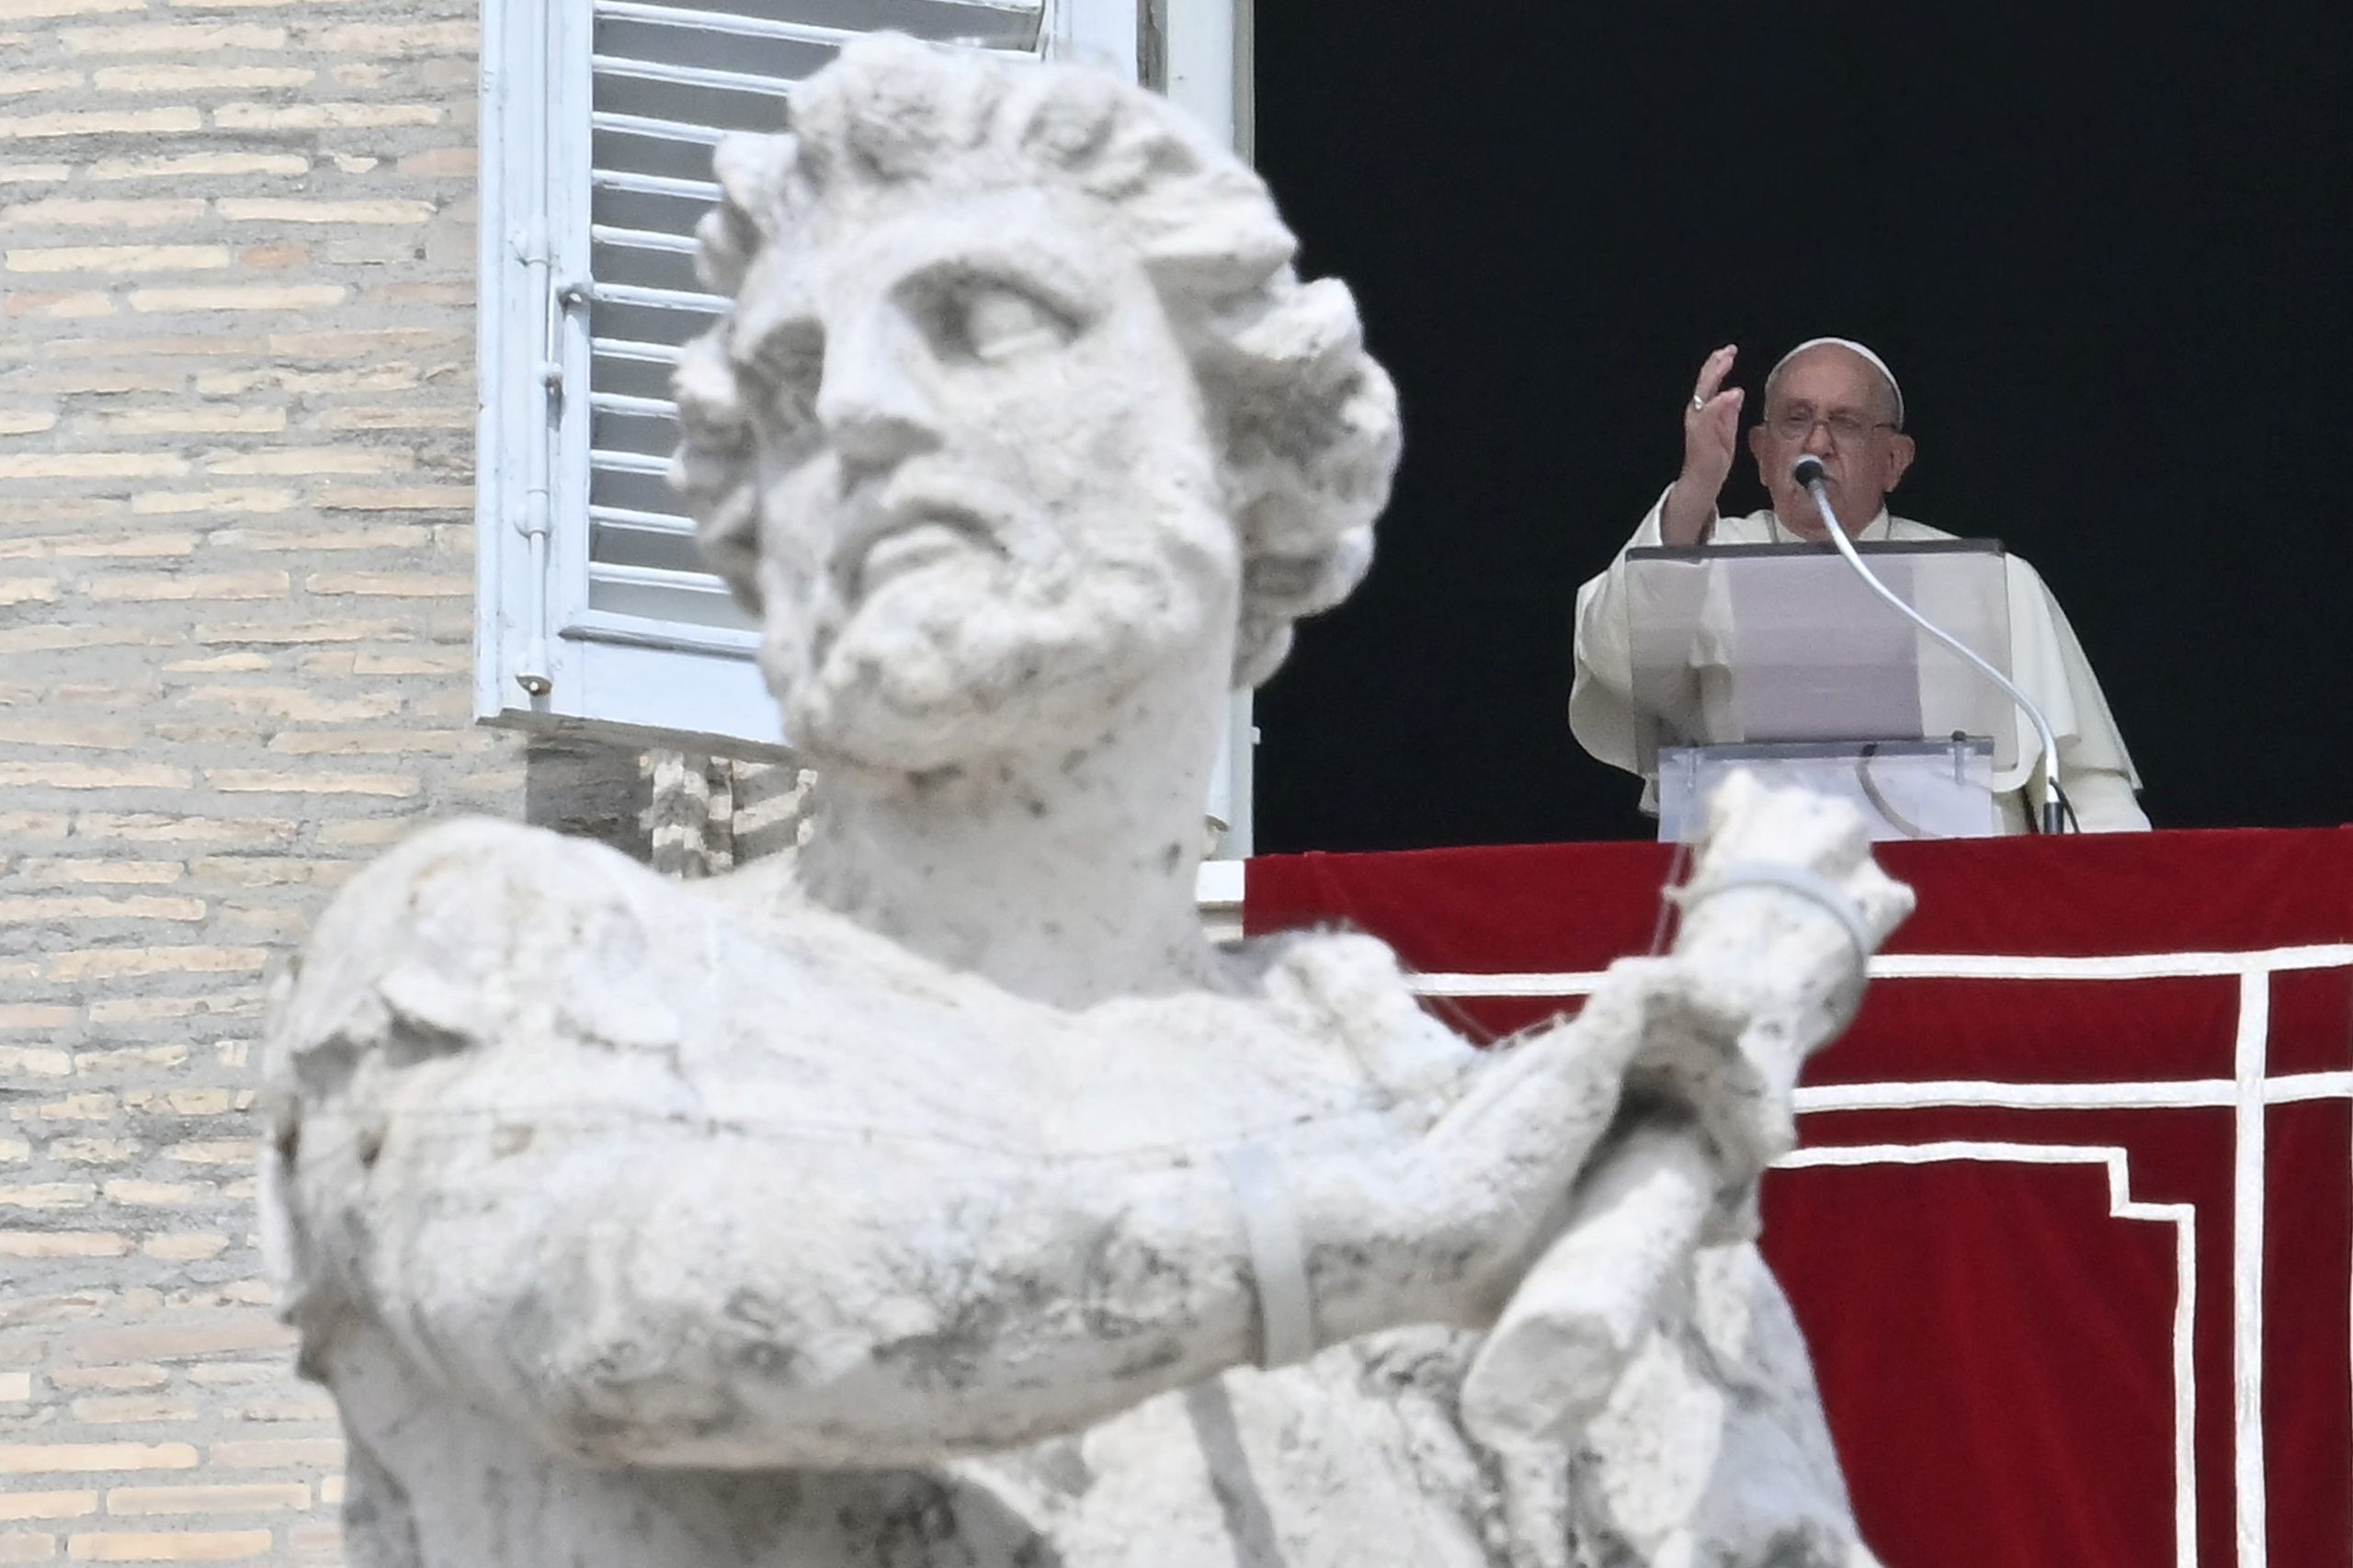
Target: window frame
{"points": [[544, 659]]}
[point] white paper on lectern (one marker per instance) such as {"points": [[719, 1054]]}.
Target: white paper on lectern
{"points": [[1747, 644]]}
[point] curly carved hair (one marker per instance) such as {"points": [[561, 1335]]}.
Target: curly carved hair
{"points": [[1307, 419]]}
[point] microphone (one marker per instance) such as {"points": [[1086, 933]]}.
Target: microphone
{"points": [[1807, 471]]}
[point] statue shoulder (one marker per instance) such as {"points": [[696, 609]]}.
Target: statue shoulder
{"points": [[424, 952]]}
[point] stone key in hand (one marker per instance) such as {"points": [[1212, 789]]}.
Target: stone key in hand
{"points": [[1768, 969]]}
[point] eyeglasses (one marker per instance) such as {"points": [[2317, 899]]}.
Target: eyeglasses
{"points": [[1796, 425]]}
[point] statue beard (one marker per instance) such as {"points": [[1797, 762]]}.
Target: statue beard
{"points": [[994, 655]]}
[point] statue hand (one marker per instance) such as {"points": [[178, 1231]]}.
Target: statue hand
{"points": [[1506, 1159]]}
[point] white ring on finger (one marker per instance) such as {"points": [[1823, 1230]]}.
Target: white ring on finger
{"points": [[1698, 404]]}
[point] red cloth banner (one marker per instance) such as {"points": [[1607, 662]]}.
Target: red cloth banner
{"points": [[2070, 1225]]}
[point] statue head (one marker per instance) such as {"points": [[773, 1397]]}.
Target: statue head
{"points": [[1020, 402]]}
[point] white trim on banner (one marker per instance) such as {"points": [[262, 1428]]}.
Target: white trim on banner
{"points": [[2122, 1205], [2247, 1265], [2248, 1094], [1950, 966], [1966, 1094]]}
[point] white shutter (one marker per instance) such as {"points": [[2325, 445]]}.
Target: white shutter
{"points": [[593, 611], [1204, 62]]}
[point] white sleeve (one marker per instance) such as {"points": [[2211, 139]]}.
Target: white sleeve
{"points": [[2103, 800], [2048, 661], [1601, 713]]}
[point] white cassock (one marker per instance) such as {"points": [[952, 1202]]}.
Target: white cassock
{"points": [[2046, 661]]}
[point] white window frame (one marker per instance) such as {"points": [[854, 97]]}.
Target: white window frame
{"points": [[544, 659]]}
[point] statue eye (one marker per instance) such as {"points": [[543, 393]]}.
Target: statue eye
{"points": [[995, 322]]}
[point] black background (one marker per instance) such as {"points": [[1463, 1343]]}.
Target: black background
{"points": [[2104, 248]]}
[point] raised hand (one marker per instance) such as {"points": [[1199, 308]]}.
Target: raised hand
{"points": [[1710, 436]]}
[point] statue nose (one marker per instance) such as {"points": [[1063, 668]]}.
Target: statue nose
{"points": [[875, 410]]}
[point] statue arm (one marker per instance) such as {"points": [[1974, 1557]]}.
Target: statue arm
{"points": [[631, 1283], [633, 1277], [668, 1295]]}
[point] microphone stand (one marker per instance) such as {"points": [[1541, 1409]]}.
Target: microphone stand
{"points": [[1808, 472]]}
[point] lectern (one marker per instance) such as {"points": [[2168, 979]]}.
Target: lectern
{"points": [[1779, 658]]}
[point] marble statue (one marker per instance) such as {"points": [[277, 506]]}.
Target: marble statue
{"points": [[939, 1198]]}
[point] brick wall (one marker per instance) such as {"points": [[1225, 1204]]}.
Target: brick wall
{"points": [[236, 405]]}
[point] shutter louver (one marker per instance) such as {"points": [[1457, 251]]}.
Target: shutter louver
{"points": [[667, 83], [595, 612]]}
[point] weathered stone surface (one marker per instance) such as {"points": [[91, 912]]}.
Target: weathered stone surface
{"points": [[925, 1198]]}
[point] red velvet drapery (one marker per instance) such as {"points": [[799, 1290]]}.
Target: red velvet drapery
{"points": [[2071, 1230]]}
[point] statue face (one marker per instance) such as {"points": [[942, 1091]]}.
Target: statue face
{"points": [[990, 507]]}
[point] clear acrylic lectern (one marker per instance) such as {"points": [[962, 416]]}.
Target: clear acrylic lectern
{"points": [[1777, 658]]}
